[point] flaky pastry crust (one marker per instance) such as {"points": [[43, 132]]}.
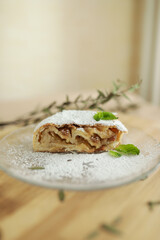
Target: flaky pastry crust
{"points": [[79, 138]]}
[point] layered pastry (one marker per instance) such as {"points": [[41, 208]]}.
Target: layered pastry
{"points": [[77, 130]]}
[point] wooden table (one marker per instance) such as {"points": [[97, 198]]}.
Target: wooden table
{"points": [[29, 212]]}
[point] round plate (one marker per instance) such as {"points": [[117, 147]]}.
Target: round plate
{"points": [[74, 171]]}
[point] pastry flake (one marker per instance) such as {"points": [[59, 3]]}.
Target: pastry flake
{"points": [[77, 130]]}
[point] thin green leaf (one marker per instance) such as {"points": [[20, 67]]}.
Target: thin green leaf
{"points": [[61, 195], [151, 204], [67, 98], [100, 108], [101, 94], [77, 98], [135, 86], [125, 96], [33, 113], [46, 110], [116, 87], [92, 106], [144, 178], [52, 104], [111, 229], [92, 235], [60, 108], [36, 168]]}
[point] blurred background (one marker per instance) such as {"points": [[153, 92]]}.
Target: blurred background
{"points": [[51, 46]]}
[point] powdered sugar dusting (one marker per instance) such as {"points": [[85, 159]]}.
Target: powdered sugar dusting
{"points": [[76, 171], [81, 129], [79, 117]]}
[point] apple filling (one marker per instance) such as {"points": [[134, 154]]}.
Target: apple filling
{"points": [[79, 138]]}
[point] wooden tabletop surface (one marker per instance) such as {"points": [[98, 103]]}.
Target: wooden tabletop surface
{"points": [[29, 212]]}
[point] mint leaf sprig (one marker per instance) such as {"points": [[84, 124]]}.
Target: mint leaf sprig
{"points": [[125, 149], [104, 116], [128, 149]]}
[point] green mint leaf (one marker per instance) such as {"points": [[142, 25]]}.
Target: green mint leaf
{"points": [[115, 154], [128, 149], [36, 168], [104, 116]]}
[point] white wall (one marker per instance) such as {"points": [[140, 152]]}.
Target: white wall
{"points": [[150, 51], [61, 45]]}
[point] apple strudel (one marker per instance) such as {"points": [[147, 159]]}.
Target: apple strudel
{"points": [[77, 130]]}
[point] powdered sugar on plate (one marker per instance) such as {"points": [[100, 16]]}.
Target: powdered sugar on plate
{"points": [[77, 171]]}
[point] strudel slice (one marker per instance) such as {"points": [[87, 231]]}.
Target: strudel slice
{"points": [[76, 130]]}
